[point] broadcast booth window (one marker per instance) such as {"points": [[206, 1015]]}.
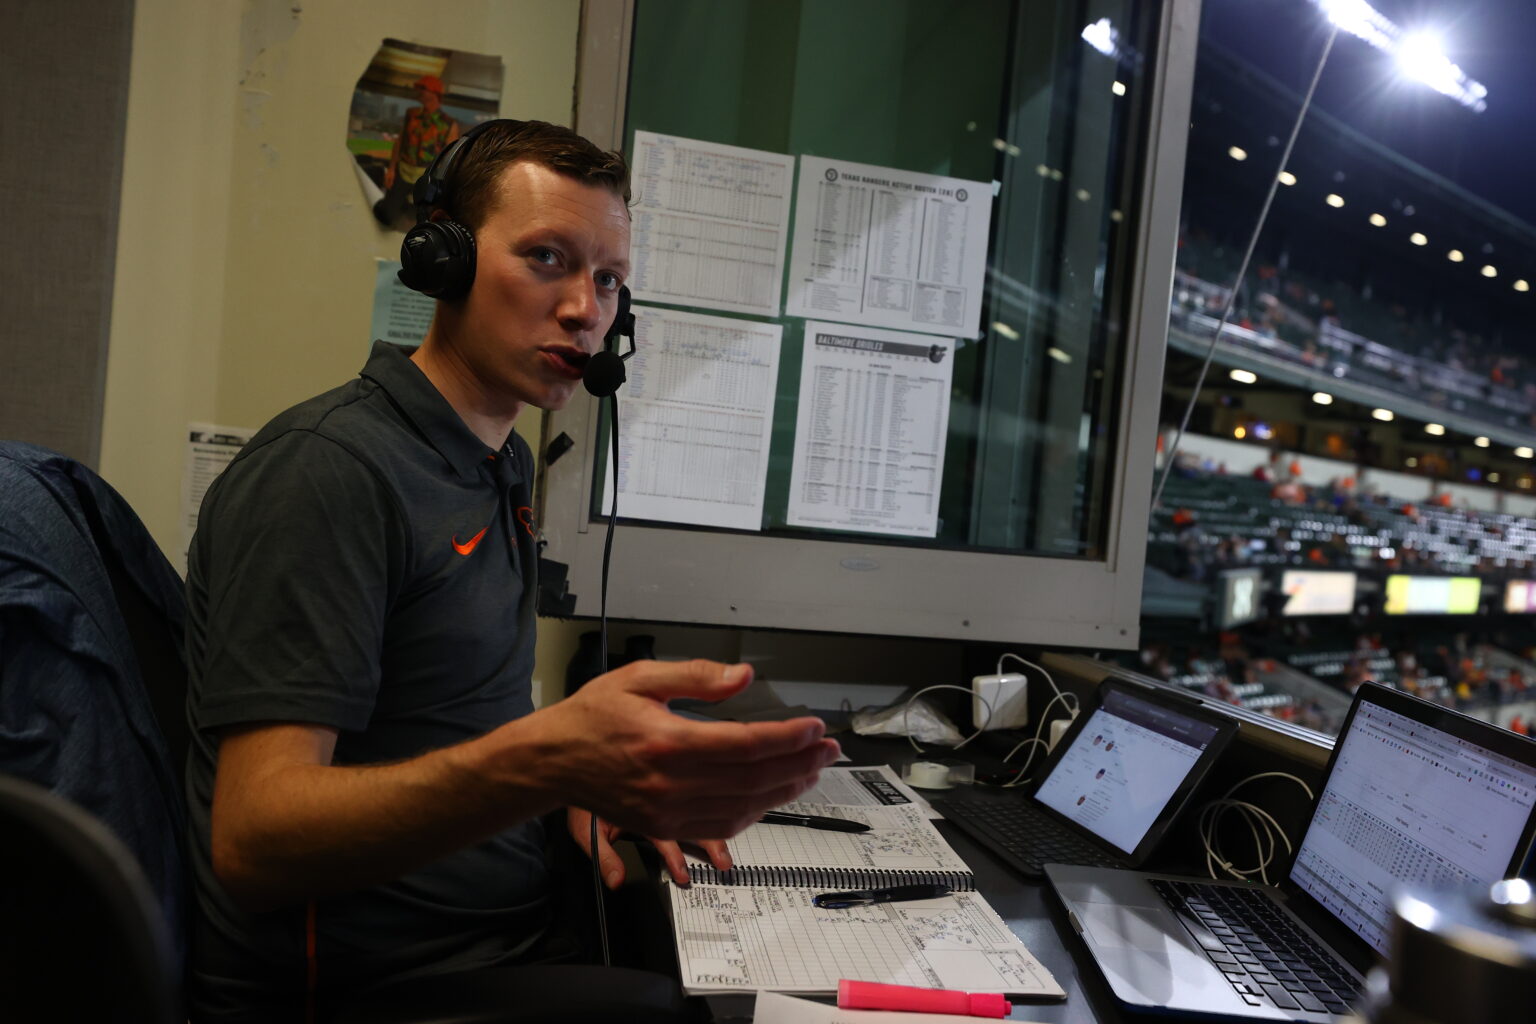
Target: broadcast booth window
{"points": [[900, 319]]}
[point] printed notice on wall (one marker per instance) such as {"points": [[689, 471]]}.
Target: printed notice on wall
{"points": [[709, 224], [870, 430], [209, 449], [698, 412], [889, 248], [400, 316]]}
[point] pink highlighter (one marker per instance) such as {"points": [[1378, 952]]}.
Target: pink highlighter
{"points": [[871, 995]]}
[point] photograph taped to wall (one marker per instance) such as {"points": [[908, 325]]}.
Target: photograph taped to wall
{"points": [[410, 103]]}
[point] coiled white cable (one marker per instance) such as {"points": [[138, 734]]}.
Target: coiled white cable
{"points": [[1262, 826]]}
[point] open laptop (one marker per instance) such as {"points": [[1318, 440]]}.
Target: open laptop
{"points": [[1115, 782], [1415, 795]]}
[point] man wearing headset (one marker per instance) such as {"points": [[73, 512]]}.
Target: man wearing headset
{"points": [[368, 774]]}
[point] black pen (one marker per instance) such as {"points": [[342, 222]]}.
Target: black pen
{"points": [[864, 897], [813, 821]]}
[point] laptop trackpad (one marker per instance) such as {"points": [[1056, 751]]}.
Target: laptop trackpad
{"points": [[1116, 925]]}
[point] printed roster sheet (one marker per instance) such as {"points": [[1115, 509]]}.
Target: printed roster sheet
{"points": [[734, 938], [698, 413], [870, 430], [889, 248], [709, 224]]}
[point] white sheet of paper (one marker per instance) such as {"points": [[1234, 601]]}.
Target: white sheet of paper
{"points": [[709, 223], [871, 786], [697, 416], [900, 838], [740, 938], [870, 430], [778, 1008], [209, 449], [889, 248]]}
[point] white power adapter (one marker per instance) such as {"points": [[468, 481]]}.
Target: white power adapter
{"points": [[1006, 694]]}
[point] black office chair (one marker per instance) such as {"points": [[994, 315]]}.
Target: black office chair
{"points": [[92, 706], [81, 935]]}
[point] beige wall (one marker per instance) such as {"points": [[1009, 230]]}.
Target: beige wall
{"points": [[245, 268]]}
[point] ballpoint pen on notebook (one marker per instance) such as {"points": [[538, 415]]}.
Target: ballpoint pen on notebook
{"points": [[891, 894], [813, 821]]}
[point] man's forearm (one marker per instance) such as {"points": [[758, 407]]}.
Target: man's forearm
{"points": [[300, 829]]}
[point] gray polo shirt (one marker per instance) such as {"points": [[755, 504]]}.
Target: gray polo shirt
{"points": [[366, 563]]}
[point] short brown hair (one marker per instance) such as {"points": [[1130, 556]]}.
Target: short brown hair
{"points": [[476, 172]]}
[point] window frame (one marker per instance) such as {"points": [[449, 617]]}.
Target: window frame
{"points": [[668, 573]]}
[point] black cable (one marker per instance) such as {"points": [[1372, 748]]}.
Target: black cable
{"points": [[602, 649]]}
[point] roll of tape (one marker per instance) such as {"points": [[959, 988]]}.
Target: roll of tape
{"points": [[927, 775]]}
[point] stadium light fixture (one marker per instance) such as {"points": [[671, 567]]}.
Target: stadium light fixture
{"points": [[1237, 153], [1522, 285], [1434, 428], [1418, 238], [1334, 200], [1378, 221], [1244, 376], [1322, 398], [1455, 256], [1287, 178], [1118, 88], [1489, 270], [1420, 56], [1058, 355], [1006, 330], [1385, 415], [1524, 452], [1103, 36], [1481, 442]]}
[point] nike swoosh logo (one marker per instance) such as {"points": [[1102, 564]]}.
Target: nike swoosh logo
{"points": [[469, 545]]}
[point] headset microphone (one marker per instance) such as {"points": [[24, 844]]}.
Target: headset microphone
{"points": [[605, 369]]}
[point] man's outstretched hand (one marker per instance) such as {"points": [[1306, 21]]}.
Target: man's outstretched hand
{"points": [[615, 748]]}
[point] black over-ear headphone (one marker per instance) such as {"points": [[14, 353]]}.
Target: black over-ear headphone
{"points": [[437, 258]]}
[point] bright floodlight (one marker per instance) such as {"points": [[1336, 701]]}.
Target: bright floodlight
{"points": [[1455, 256], [1522, 285], [1481, 442], [1237, 153], [1102, 36], [1118, 88], [1287, 178], [1244, 376], [1322, 398], [1524, 452], [1334, 200], [1418, 238], [1378, 221], [1490, 271], [1434, 428], [1420, 56], [1385, 415]]}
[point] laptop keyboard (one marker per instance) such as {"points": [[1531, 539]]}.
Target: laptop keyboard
{"points": [[1023, 836], [1267, 959]]}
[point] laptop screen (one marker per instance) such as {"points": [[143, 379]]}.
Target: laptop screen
{"points": [[1408, 804], [1124, 766]]}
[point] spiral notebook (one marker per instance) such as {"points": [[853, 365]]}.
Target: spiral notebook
{"points": [[754, 927]]}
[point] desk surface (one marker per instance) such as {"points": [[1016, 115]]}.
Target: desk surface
{"points": [[1035, 916]]}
